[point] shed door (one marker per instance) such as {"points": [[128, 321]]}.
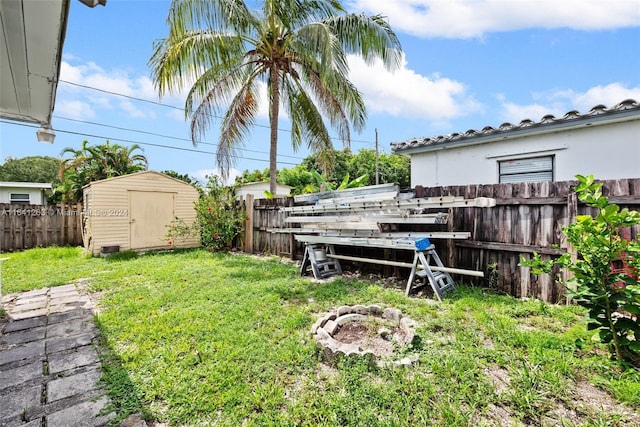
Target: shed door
{"points": [[149, 214]]}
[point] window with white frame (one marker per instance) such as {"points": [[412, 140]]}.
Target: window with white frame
{"points": [[530, 169], [20, 198]]}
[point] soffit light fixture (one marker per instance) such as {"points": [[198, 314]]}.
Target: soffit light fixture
{"points": [[46, 134]]}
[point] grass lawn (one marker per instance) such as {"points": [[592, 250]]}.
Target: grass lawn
{"points": [[195, 338]]}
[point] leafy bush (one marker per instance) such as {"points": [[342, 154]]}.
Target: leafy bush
{"points": [[218, 218], [605, 274]]}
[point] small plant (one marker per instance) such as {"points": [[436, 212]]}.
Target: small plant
{"points": [[605, 274], [493, 275]]}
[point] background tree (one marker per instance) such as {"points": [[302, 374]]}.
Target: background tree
{"points": [[339, 164], [30, 169], [393, 168], [255, 176], [182, 177], [299, 49], [93, 163], [298, 177]]}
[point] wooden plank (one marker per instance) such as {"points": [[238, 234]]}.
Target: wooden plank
{"points": [[531, 201]]}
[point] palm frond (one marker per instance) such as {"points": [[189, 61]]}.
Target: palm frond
{"points": [[179, 61], [185, 15], [371, 37]]}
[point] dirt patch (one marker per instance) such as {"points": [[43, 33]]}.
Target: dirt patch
{"points": [[498, 416], [499, 378], [367, 336], [592, 399], [585, 404]]}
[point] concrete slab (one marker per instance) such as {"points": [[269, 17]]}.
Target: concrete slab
{"points": [[83, 356], [35, 292], [62, 289], [84, 414], [7, 298], [19, 423], [65, 308], [16, 376], [69, 313], [72, 385], [27, 314], [61, 344], [20, 325], [21, 300], [72, 327], [64, 300], [32, 350], [24, 336], [18, 402], [30, 305], [58, 294]]}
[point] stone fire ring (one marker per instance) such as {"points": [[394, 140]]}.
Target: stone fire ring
{"points": [[327, 326]]}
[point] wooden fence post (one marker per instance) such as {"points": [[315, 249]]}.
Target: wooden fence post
{"points": [[248, 235], [572, 212], [292, 241]]}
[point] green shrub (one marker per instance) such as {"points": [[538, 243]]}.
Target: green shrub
{"points": [[605, 274], [219, 219]]}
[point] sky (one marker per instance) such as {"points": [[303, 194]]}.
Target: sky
{"points": [[467, 64]]}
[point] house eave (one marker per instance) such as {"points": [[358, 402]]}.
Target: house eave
{"points": [[527, 130], [38, 185]]}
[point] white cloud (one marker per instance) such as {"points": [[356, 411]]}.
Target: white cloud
{"points": [[406, 93], [608, 95], [107, 83], [176, 114], [77, 110], [560, 101], [134, 111], [514, 113], [473, 18]]}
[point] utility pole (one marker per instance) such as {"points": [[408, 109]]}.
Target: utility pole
{"points": [[377, 168]]}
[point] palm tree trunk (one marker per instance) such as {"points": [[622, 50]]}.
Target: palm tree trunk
{"points": [[273, 121]]}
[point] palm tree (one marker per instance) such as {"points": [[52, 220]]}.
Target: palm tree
{"points": [[93, 163], [223, 50]]}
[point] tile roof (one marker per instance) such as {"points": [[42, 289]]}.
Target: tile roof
{"points": [[525, 126]]}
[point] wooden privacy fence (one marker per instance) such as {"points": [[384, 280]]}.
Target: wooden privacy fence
{"points": [[29, 226], [527, 218]]}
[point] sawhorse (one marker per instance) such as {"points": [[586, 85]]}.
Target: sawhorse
{"points": [[440, 281], [322, 266], [324, 262]]}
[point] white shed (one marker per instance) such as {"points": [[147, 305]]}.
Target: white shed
{"points": [[257, 189], [604, 142], [132, 212]]}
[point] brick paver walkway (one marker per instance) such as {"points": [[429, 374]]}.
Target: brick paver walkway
{"points": [[49, 366]]}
